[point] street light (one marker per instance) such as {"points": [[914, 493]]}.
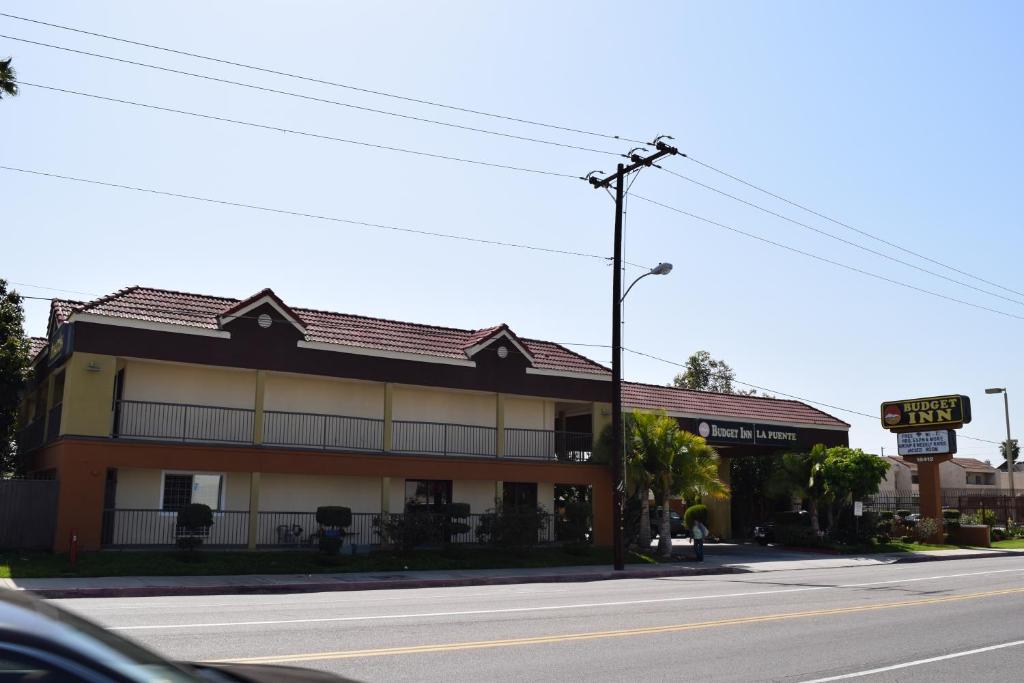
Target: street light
{"points": [[1008, 448], [660, 269], [618, 459]]}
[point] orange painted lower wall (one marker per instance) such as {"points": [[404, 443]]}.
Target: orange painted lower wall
{"points": [[81, 466]]}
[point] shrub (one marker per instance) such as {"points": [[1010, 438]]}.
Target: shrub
{"points": [[424, 526], [512, 527], [793, 518], [951, 518], [999, 535], [903, 514], [573, 527], [979, 517], [695, 513], [334, 516], [797, 535], [193, 525], [926, 528], [886, 515]]}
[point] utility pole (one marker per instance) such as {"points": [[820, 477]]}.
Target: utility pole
{"points": [[618, 480]]}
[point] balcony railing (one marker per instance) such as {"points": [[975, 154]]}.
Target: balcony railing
{"points": [[437, 438], [53, 425], [30, 437], [183, 422], [544, 444], [310, 430], [212, 424]]}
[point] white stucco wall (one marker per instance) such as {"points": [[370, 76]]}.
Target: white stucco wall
{"points": [[192, 384], [529, 413], [435, 405], [305, 493], [143, 488], [479, 494]]}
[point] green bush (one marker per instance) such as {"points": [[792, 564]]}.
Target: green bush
{"points": [[886, 515], [573, 527], [193, 525], [999, 535], [695, 513], [512, 527], [926, 528], [903, 514], [422, 525], [334, 516], [979, 517], [951, 518]]}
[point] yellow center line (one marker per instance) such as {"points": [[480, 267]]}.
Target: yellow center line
{"points": [[594, 635]]}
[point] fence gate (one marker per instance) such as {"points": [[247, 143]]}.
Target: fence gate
{"points": [[28, 513]]}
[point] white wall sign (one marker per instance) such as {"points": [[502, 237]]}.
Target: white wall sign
{"points": [[858, 508], [936, 442]]}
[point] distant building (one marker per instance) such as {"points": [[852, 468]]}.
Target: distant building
{"points": [[958, 473]]}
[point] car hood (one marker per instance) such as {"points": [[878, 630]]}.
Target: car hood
{"points": [[268, 673]]}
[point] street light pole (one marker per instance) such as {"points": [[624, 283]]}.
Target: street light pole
{"points": [[1008, 447], [618, 483]]}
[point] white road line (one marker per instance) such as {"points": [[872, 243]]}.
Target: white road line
{"points": [[917, 662], [548, 608]]}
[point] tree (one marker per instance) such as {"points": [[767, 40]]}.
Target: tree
{"points": [[800, 475], [1014, 451], [13, 366], [851, 474], [679, 464], [638, 479], [704, 373], [8, 78]]}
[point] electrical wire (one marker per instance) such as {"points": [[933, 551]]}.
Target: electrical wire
{"points": [[301, 214], [824, 259], [848, 226], [321, 81], [318, 136], [311, 98], [837, 238]]}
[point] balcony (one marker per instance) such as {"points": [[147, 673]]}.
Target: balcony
{"points": [[211, 424], [31, 436]]}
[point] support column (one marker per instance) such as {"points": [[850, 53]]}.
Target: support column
{"points": [[929, 487], [499, 422], [720, 511], [50, 381], [257, 418], [385, 495], [79, 503], [388, 430], [601, 511], [254, 509]]}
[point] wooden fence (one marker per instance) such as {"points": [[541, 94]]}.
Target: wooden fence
{"points": [[28, 514]]}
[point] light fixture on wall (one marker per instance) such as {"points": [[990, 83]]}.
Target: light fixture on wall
{"points": [[93, 366]]}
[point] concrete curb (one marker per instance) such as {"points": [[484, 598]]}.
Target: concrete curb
{"points": [[371, 584], [936, 558]]}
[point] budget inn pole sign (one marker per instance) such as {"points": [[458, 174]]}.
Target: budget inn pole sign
{"points": [[920, 414]]}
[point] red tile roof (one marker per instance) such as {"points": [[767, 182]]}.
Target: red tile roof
{"points": [[200, 310], [710, 404], [35, 345], [972, 464]]}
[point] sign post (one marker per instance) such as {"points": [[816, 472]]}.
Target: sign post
{"points": [[924, 429]]}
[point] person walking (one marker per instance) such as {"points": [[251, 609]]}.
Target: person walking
{"points": [[698, 533]]}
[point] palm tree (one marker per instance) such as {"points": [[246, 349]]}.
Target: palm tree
{"points": [[8, 79], [799, 475], [679, 463]]}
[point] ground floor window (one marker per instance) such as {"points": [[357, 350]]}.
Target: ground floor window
{"points": [[181, 489], [516, 494], [427, 493]]}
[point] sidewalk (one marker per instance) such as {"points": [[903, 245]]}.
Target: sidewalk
{"points": [[720, 559]]}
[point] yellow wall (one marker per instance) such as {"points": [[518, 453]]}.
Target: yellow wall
{"points": [[88, 394], [181, 383], [435, 405], [529, 413], [303, 394], [141, 488], [305, 493], [479, 494], [602, 417], [720, 511]]}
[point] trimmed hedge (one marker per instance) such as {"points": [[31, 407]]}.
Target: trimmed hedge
{"points": [[695, 513]]}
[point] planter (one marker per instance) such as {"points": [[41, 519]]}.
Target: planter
{"points": [[976, 535]]}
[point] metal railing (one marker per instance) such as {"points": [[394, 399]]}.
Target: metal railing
{"points": [[141, 528], [30, 437], [183, 422], [438, 438], [964, 499], [546, 444], [213, 424], [322, 431], [53, 423]]}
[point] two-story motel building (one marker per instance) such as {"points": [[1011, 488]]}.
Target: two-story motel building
{"points": [[147, 399]]}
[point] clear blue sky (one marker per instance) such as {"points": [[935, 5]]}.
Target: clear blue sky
{"points": [[900, 118]]}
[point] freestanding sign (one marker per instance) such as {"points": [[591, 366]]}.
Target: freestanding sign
{"points": [[935, 442], [924, 434], [951, 412]]}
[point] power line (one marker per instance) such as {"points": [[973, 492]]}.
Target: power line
{"points": [[311, 98], [321, 81], [300, 214], [830, 235], [319, 136], [850, 227], [824, 259]]}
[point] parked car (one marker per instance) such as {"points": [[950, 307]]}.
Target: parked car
{"points": [[675, 522], [764, 532], [41, 642]]}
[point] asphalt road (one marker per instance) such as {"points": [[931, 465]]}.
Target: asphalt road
{"points": [[937, 621]]}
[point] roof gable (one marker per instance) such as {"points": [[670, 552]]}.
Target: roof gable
{"points": [[484, 338], [265, 297]]}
